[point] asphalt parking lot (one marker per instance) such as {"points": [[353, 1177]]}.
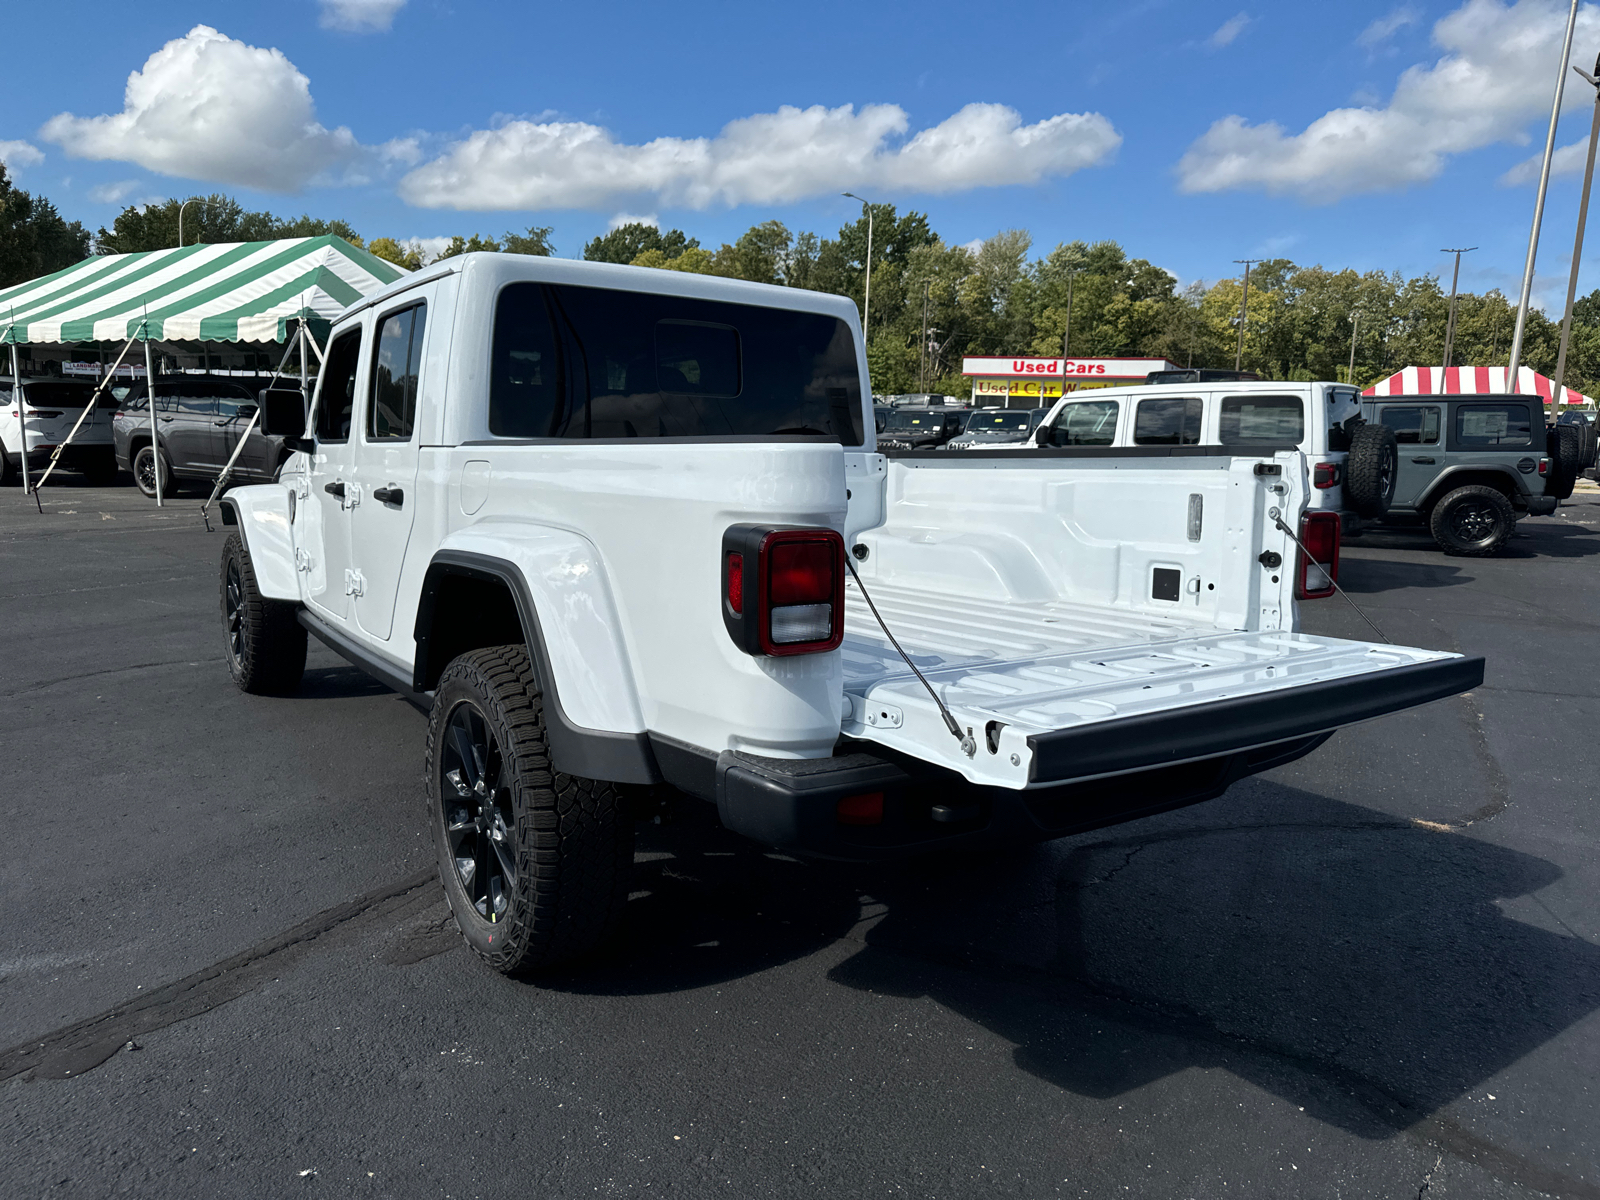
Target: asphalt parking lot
{"points": [[227, 969]]}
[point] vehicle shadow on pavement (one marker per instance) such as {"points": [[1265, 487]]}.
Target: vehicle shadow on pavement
{"points": [[328, 683], [1545, 538], [1371, 576], [1350, 962]]}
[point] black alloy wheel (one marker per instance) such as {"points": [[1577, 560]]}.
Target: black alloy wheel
{"points": [[145, 465], [479, 822], [235, 615], [1472, 521]]}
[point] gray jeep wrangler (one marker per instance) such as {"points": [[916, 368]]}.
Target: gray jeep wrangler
{"points": [[1472, 466]]}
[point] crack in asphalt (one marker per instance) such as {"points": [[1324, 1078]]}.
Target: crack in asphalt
{"points": [[74, 1049]]}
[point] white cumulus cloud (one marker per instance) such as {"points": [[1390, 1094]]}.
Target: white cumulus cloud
{"points": [[769, 158], [113, 193], [1493, 79], [20, 154], [360, 16], [621, 219], [207, 107], [1386, 26], [1229, 30]]}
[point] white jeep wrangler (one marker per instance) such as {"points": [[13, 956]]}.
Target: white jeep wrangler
{"points": [[620, 529]]}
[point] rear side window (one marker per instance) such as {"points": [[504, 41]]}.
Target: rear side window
{"points": [[337, 398], [392, 399], [1086, 423], [1262, 421], [577, 362], [1167, 422], [1493, 425], [1413, 424]]}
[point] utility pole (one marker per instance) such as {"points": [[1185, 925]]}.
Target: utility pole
{"points": [[1583, 216], [1355, 323], [1066, 336], [1450, 321], [922, 355], [1538, 206], [1244, 301], [866, 306]]}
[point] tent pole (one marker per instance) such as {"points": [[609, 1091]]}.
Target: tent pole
{"points": [[87, 409], [150, 395], [255, 419], [305, 392], [16, 398]]}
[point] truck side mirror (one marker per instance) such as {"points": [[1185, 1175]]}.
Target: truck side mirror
{"points": [[283, 414], [1041, 436]]}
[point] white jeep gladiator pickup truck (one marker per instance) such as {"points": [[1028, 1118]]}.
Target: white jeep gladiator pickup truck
{"points": [[617, 528]]}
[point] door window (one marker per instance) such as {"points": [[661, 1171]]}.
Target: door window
{"points": [[1413, 424], [1167, 422], [337, 397], [1261, 421], [392, 399], [1086, 423]]}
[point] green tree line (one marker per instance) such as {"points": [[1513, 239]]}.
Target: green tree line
{"points": [[934, 302]]}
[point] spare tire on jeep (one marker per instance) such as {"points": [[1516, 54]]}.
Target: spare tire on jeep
{"points": [[1370, 473], [1565, 446]]}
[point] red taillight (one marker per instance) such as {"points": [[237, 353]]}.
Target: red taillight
{"points": [[1544, 466], [1325, 475], [1318, 564], [798, 595], [736, 583]]}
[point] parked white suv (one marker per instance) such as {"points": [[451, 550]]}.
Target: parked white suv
{"points": [[1353, 464], [48, 410], [622, 529]]}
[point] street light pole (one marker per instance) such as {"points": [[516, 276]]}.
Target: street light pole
{"points": [[1450, 321], [1066, 335], [1538, 206], [1355, 323], [1244, 301], [922, 355], [866, 306], [181, 207], [1583, 216]]}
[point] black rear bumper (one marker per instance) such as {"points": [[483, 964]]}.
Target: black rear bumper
{"points": [[1105, 774]]}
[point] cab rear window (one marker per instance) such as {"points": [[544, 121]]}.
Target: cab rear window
{"points": [[580, 362], [1261, 421], [1493, 425]]}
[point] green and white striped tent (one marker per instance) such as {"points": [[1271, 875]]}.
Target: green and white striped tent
{"points": [[221, 292]]}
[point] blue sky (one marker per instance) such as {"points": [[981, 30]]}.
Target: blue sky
{"points": [[1364, 134]]}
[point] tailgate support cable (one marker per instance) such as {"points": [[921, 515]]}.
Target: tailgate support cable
{"points": [[969, 745], [1312, 558]]}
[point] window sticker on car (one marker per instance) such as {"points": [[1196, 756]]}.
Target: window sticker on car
{"points": [[1493, 425]]}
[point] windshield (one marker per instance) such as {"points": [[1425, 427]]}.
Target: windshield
{"points": [[1015, 421], [919, 422]]}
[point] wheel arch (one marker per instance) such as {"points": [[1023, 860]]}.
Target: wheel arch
{"points": [[261, 514], [1501, 479], [485, 595]]}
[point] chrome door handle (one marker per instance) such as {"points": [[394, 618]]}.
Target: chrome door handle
{"points": [[334, 489]]}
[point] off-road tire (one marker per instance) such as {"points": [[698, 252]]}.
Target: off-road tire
{"points": [[570, 839], [1371, 470], [264, 644], [1591, 444], [145, 462], [1565, 446], [1472, 521]]}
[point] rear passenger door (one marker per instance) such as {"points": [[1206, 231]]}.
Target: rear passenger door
{"points": [[184, 417], [235, 408], [386, 461]]}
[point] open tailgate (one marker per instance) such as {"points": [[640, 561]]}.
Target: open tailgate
{"points": [[1056, 692]]}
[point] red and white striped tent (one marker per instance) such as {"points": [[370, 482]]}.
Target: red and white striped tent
{"points": [[1457, 381]]}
